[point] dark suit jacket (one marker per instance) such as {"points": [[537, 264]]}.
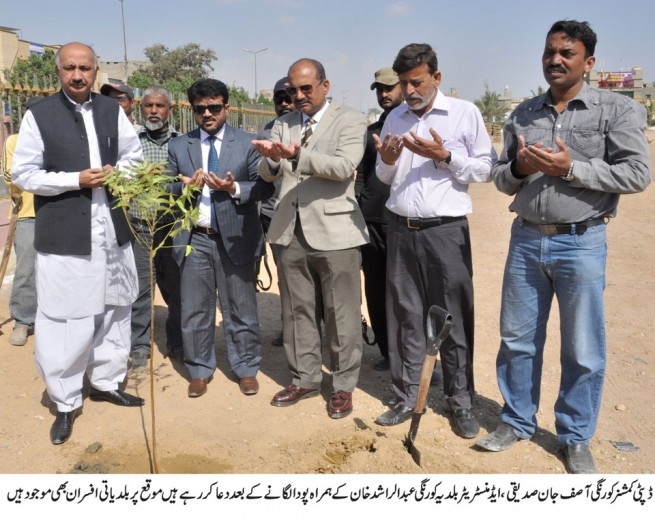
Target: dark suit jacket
{"points": [[238, 219]]}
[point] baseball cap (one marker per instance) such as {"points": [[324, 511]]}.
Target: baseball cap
{"points": [[280, 85], [385, 76], [123, 88]]}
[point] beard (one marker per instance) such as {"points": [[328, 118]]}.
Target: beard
{"points": [[154, 125], [419, 102]]}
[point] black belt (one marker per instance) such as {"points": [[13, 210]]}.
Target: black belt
{"points": [[563, 229], [424, 223], [204, 230]]}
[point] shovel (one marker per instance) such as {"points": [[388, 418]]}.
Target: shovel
{"points": [[17, 200], [437, 327]]}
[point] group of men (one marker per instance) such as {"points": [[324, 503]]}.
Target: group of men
{"points": [[392, 200]]}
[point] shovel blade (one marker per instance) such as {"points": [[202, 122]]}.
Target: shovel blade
{"points": [[437, 327], [411, 437]]}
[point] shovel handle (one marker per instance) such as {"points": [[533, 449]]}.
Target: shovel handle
{"points": [[437, 327]]}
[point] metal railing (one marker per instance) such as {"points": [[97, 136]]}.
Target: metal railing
{"points": [[13, 98]]}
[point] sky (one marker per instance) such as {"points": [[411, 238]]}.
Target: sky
{"points": [[477, 41]]}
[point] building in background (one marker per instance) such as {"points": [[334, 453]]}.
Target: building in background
{"points": [[629, 83]]}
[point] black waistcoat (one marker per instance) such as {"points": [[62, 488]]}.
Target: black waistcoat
{"points": [[63, 222]]}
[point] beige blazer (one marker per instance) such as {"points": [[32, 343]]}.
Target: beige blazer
{"points": [[322, 186]]}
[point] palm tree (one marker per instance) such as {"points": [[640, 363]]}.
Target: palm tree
{"points": [[493, 109]]}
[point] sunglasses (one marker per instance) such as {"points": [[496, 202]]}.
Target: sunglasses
{"points": [[214, 109], [282, 98], [305, 89]]}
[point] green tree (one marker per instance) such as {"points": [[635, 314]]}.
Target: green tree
{"points": [[493, 109], [146, 188], [174, 69], [238, 96], [540, 91], [266, 102], [37, 70]]}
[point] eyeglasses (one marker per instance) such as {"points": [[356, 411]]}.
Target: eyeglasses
{"points": [[281, 98], [305, 89], [214, 109]]}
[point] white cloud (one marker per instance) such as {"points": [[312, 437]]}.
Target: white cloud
{"points": [[287, 20], [398, 9]]}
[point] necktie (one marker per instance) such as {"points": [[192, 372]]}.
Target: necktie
{"points": [[307, 132], [212, 167], [212, 160]]}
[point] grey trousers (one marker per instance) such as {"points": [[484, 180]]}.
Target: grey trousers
{"points": [[425, 267], [22, 305], [207, 273], [315, 284], [167, 277]]}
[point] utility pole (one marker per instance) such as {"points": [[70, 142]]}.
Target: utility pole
{"points": [[254, 53], [124, 43]]}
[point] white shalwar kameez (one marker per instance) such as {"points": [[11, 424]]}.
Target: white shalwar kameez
{"points": [[84, 302]]}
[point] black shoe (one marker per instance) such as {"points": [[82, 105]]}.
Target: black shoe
{"points": [[139, 360], [392, 402], [502, 438], [120, 398], [464, 423], [278, 341], [396, 415], [578, 459], [381, 365], [435, 379], [62, 428]]}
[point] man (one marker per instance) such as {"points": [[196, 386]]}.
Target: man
{"points": [[85, 273], [567, 156], [433, 147], [156, 108], [372, 195], [124, 95], [316, 230], [228, 238], [22, 304], [283, 105]]}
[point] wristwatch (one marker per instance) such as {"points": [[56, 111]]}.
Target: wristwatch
{"points": [[446, 161], [569, 176]]}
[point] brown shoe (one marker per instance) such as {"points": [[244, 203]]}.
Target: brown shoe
{"points": [[198, 387], [248, 385], [291, 395], [340, 404]]}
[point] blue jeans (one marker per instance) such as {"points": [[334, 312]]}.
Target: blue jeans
{"points": [[22, 305], [571, 267]]}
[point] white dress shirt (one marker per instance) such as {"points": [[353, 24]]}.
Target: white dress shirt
{"points": [[204, 205], [420, 187], [72, 286]]}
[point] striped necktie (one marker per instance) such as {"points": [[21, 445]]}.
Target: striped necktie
{"points": [[307, 132]]}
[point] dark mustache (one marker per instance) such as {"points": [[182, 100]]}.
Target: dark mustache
{"points": [[556, 69]]}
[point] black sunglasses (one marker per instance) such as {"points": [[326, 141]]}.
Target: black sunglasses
{"points": [[305, 89], [280, 98], [214, 109]]}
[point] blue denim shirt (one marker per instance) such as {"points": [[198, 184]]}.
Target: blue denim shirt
{"points": [[604, 132]]}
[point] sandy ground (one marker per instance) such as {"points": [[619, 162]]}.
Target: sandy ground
{"points": [[227, 432]]}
